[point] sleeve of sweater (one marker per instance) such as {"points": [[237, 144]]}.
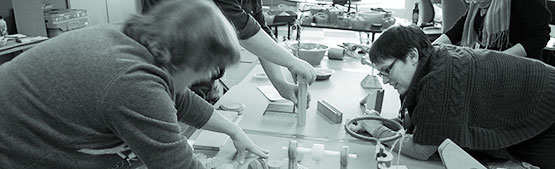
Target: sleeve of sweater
{"points": [[534, 19], [455, 32], [241, 20], [409, 147], [138, 108], [259, 16], [192, 109]]}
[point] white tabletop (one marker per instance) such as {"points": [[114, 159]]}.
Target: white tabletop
{"points": [[343, 90]]}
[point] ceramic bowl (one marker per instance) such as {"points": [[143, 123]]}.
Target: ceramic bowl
{"points": [[312, 53]]}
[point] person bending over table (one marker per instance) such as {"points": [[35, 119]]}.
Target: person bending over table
{"points": [[483, 100], [518, 27], [108, 96], [247, 16]]}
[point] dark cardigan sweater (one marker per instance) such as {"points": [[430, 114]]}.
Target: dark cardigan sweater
{"points": [[480, 99]]}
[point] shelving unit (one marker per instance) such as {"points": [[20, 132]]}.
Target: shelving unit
{"points": [[29, 17]]}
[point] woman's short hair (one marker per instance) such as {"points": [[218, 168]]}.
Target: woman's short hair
{"points": [[397, 41], [191, 33]]}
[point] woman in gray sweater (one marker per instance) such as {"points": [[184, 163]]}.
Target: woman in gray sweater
{"points": [[106, 96]]}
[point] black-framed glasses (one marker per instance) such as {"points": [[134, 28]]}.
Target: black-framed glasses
{"points": [[386, 71]]}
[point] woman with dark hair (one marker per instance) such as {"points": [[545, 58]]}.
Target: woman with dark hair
{"points": [[107, 96], [486, 101]]}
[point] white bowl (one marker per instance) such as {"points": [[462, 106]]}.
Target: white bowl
{"points": [[312, 53]]}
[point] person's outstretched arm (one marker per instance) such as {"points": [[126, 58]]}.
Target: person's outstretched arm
{"points": [[409, 147], [266, 49], [271, 54], [443, 39], [243, 144]]}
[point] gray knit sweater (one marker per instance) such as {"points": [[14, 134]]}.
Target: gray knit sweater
{"points": [[93, 88], [482, 100]]}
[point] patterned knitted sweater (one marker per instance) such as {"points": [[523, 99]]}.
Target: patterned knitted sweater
{"points": [[480, 99]]}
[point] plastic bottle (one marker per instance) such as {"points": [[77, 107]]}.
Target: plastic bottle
{"points": [[415, 14], [3, 27]]}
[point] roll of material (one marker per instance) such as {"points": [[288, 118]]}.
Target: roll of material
{"points": [[318, 152], [336, 53], [321, 18]]}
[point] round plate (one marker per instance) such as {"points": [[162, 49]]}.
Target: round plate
{"points": [[323, 73], [237, 107], [260, 75]]}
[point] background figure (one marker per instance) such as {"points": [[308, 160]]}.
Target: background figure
{"points": [[518, 27], [485, 101], [108, 96]]}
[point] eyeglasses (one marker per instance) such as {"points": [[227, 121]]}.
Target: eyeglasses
{"points": [[386, 71]]}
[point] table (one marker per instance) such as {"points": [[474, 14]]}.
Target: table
{"points": [[277, 24], [370, 30], [342, 90], [13, 46]]}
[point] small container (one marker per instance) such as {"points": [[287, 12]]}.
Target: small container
{"points": [[323, 73], [321, 18]]}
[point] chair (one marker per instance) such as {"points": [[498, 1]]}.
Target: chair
{"points": [[426, 16], [427, 13]]}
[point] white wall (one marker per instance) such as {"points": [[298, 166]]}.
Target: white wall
{"points": [[107, 11]]}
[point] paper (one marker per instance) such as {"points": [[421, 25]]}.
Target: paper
{"points": [[454, 157], [271, 93]]}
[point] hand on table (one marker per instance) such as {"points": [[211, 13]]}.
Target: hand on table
{"points": [[290, 91], [245, 147], [368, 125]]}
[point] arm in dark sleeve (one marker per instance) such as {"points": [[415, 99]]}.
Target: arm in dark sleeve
{"points": [[192, 109], [241, 20], [534, 18], [455, 32], [258, 15]]}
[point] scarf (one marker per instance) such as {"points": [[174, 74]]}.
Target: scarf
{"points": [[495, 32]]}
